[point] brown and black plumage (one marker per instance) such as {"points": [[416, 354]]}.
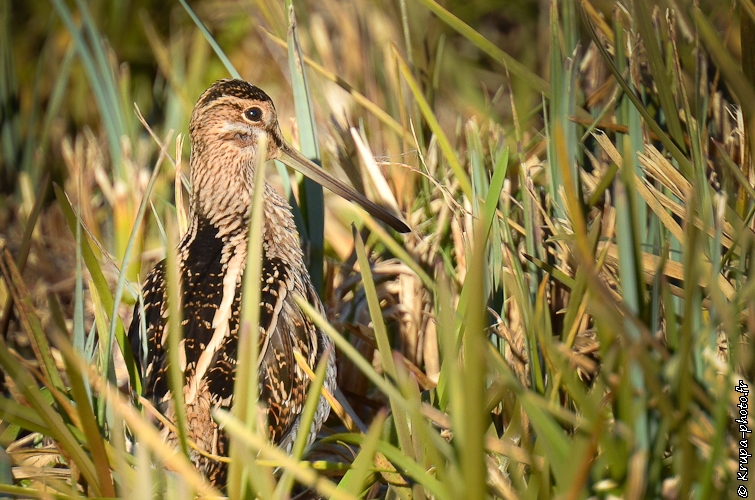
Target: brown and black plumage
{"points": [[226, 124]]}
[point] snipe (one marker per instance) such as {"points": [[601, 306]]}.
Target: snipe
{"points": [[225, 126]]}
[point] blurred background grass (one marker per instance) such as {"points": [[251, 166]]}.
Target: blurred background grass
{"points": [[568, 318]]}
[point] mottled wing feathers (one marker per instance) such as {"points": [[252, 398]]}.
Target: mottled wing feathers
{"points": [[147, 352], [283, 385], [283, 329]]}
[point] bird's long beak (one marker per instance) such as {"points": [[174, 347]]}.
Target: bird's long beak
{"points": [[301, 163]]}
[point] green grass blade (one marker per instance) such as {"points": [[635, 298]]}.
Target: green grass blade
{"points": [[6, 472], [414, 470], [630, 213], [211, 40], [556, 115], [381, 338], [305, 423], [488, 215], [311, 200], [135, 231], [305, 475], [91, 430], [660, 73], [50, 416], [106, 80], [243, 473], [448, 389], [354, 480], [176, 378], [29, 319], [103, 289], [348, 350], [513, 66], [15, 413], [470, 424], [109, 115], [445, 146], [358, 97], [79, 331], [376, 312], [10, 134]]}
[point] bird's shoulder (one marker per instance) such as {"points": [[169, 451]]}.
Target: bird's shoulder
{"points": [[147, 313]]}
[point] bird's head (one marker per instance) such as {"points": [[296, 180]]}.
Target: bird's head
{"points": [[230, 118], [226, 126]]}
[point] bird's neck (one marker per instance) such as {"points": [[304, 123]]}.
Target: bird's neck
{"points": [[220, 209], [221, 191]]}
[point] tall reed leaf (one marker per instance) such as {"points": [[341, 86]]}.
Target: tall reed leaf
{"points": [[243, 473]]}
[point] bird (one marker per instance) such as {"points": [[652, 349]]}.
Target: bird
{"points": [[226, 124]]}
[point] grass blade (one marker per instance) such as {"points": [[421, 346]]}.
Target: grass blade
{"points": [[245, 403], [381, 337], [512, 65], [305, 423], [103, 289], [50, 416], [354, 479], [432, 121], [211, 40], [397, 457], [91, 430], [306, 476], [311, 202], [176, 378], [29, 319]]}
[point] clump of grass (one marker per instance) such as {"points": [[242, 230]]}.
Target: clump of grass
{"points": [[568, 318]]}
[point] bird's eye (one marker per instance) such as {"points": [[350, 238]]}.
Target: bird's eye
{"points": [[253, 114]]}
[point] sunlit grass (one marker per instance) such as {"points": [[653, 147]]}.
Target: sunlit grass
{"points": [[567, 319]]}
